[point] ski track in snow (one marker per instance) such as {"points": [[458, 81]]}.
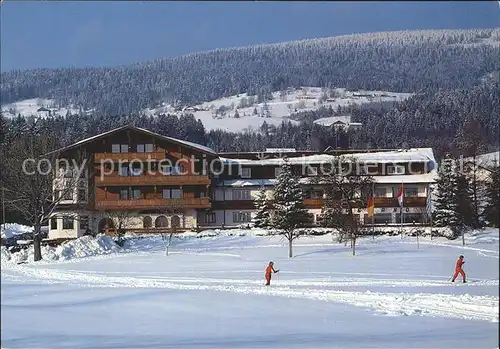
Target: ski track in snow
{"points": [[480, 251], [463, 306]]}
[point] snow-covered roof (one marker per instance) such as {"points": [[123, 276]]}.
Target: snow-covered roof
{"points": [[389, 179], [328, 121], [487, 160], [247, 183], [281, 150], [409, 155], [396, 179], [192, 145]]}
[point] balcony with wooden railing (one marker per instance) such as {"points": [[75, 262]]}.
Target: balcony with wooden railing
{"points": [[151, 179], [413, 201], [139, 204], [152, 156], [234, 205], [314, 203]]}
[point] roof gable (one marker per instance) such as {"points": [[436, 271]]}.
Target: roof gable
{"points": [[191, 145]]}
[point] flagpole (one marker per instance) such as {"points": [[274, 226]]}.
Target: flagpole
{"points": [[373, 215], [401, 206]]}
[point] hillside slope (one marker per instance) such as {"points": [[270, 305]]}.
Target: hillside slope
{"points": [[406, 61]]}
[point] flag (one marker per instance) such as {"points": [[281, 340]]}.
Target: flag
{"points": [[399, 195], [371, 207]]}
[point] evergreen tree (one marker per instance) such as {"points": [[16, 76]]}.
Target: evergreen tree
{"points": [[493, 191], [262, 218], [266, 112], [446, 212], [289, 212], [464, 201]]}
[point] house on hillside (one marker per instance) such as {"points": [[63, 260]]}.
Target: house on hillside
{"points": [[43, 112], [339, 123]]}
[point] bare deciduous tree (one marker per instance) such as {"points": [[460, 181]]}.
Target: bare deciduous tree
{"points": [[346, 190], [36, 184], [122, 221], [172, 210]]}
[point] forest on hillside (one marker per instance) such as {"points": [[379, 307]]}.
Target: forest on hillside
{"points": [[407, 61], [424, 120]]}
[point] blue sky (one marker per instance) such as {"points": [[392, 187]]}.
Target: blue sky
{"points": [[87, 33]]}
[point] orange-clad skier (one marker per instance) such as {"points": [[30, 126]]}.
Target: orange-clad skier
{"points": [[269, 271], [458, 269]]}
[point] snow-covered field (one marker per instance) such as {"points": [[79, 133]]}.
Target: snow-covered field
{"points": [[209, 293], [280, 107], [29, 107]]}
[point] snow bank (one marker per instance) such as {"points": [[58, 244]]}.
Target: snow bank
{"points": [[485, 236], [11, 229], [384, 230], [5, 254], [85, 246]]}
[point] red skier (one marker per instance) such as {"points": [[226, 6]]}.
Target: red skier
{"points": [[269, 271], [458, 269]]}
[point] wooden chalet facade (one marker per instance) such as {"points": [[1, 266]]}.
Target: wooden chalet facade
{"points": [[139, 181]]}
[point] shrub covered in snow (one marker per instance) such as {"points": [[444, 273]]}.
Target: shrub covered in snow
{"points": [[85, 246], [9, 230]]}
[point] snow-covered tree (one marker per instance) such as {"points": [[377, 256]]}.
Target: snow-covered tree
{"points": [[493, 204], [266, 112], [453, 203], [470, 141], [446, 213], [262, 218], [289, 212]]}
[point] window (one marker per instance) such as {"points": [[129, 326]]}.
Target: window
{"points": [[241, 217], [312, 171], [176, 193], [123, 194], [409, 192], [82, 195], [380, 192], [175, 221], [68, 194], [124, 170], [115, 148], [124, 148], [382, 218], [395, 170], [177, 170], [84, 223], [161, 222], [147, 222], [277, 171], [135, 169], [67, 223], [246, 173], [172, 193], [53, 223], [316, 194], [210, 217], [136, 194], [144, 148], [166, 169], [241, 194]]}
